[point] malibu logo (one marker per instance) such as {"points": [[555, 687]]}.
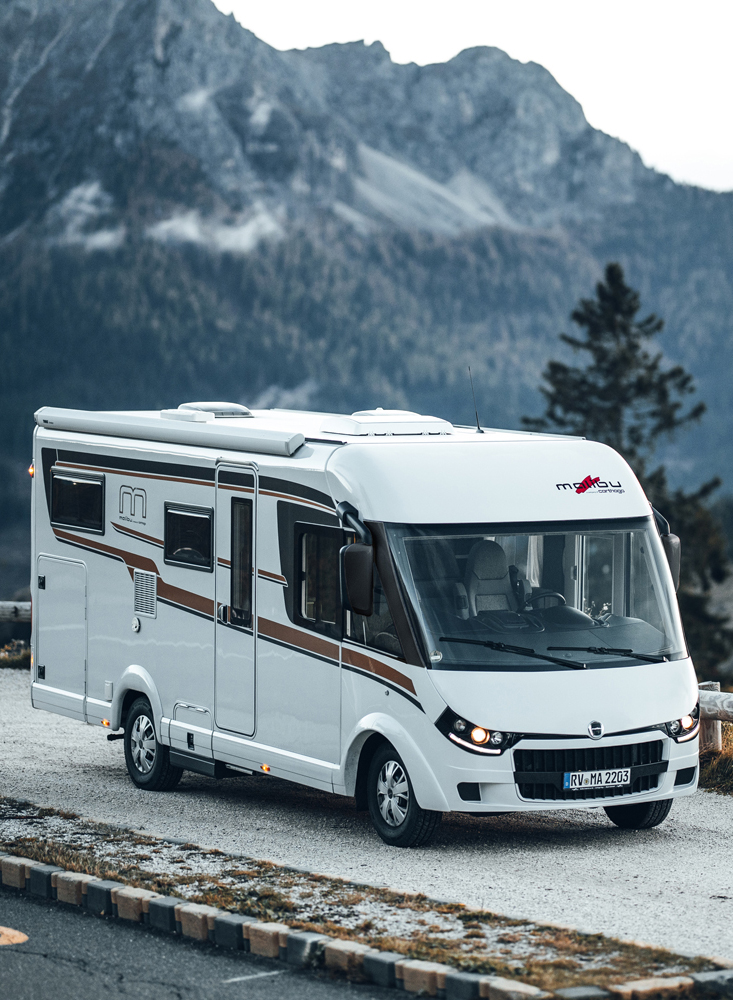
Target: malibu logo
{"points": [[591, 483]]}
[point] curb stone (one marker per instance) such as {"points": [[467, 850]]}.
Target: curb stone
{"points": [[39, 882], [643, 988], [237, 932], [162, 913], [713, 984]]}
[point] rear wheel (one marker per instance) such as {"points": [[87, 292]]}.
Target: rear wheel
{"points": [[640, 816], [148, 762], [393, 808]]}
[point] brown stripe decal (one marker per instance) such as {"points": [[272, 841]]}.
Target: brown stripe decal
{"points": [[289, 496], [364, 662], [303, 640], [224, 562], [275, 577], [130, 559], [185, 598], [237, 489], [138, 534], [137, 475]]}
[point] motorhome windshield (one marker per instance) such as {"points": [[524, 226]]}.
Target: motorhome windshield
{"points": [[525, 596]]}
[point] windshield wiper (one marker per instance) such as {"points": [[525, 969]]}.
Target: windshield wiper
{"points": [[522, 650], [606, 650]]}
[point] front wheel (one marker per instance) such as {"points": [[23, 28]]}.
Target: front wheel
{"points": [[640, 816], [148, 762], [393, 808]]}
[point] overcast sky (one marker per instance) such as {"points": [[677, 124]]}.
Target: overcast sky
{"points": [[656, 73]]}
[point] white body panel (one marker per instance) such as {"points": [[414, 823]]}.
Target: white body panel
{"points": [[275, 692], [565, 701]]}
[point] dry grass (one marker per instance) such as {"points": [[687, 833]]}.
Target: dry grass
{"points": [[548, 957], [16, 655], [716, 769]]}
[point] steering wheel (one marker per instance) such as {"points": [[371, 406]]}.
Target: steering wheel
{"points": [[543, 594]]}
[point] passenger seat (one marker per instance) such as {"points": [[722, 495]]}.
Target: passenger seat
{"points": [[488, 582]]}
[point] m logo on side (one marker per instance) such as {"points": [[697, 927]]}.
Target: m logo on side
{"points": [[137, 501]]}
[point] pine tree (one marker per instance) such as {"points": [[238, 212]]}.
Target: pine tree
{"points": [[627, 398]]}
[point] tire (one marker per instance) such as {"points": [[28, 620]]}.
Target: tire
{"points": [[148, 762], [642, 816], [393, 808]]}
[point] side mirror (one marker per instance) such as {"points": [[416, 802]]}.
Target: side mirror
{"points": [[357, 578], [673, 552]]}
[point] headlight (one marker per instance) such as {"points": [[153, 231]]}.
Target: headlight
{"points": [[687, 727], [477, 739]]}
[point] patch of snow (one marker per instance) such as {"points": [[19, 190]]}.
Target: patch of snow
{"points": [[260, 116], [410, 199], [243, 237], [474, 191], [79, 209], [360, 222], [195, 100]]}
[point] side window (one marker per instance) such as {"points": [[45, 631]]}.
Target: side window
{"points": [[189, 536], [241, 562], [77, 501], [319, 598], [378, 631]]}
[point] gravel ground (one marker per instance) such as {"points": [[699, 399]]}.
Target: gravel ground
{"points": [[671, 887]]}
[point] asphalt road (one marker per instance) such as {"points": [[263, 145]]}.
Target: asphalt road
{"points": [[71, 955], [672, 886]]}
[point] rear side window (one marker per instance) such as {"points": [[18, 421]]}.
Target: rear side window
{"points": [[319, 598], [241, 562], [189, 536], [77, 501]]}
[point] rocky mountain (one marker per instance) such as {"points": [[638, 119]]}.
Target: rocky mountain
{"points": [[186, 211]]}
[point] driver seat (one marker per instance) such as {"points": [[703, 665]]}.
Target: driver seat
{"points": [[488, 582]]}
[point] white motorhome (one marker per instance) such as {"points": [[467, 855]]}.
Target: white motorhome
{"points": [[426, 617]]}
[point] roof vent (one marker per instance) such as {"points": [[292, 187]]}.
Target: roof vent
{"points": [[219, 410], [385, 423]]}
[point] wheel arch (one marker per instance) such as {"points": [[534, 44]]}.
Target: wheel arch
{"points": [[135, 682], [369, 735]]}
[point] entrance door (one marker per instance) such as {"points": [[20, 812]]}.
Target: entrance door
{"points": [[236, 503], [61, 636]]}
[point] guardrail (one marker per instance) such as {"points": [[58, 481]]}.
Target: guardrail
{"points": [[716, 706], [15, 611]]}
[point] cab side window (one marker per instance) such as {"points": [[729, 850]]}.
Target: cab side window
{"points": [[189, 536], [318, 592], [379, 630]]}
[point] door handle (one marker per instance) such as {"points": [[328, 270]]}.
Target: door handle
{"points": [[221, 614]]}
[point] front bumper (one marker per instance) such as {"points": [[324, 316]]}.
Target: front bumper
{"points": [[657, 762]]}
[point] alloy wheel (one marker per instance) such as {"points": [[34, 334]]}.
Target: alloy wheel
{"points": [[393, 793], [142, 744]]}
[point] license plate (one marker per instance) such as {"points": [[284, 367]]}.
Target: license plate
{"points": [[597, 779]]}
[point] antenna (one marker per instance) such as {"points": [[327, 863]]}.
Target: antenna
{"points": [[475, 408]]}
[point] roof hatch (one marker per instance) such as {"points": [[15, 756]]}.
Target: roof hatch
{"points": [[385, 423], [219, 410]]}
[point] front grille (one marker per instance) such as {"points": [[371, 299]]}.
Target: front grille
{"points": [[551, 765]]}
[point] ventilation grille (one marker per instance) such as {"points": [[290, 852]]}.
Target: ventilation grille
{"points": [[146, 594]]}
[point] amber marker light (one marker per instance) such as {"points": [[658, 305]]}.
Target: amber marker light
{"points": [[265, 768], [31, 470], [688, 722], [479, 735], [105, 722]]}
